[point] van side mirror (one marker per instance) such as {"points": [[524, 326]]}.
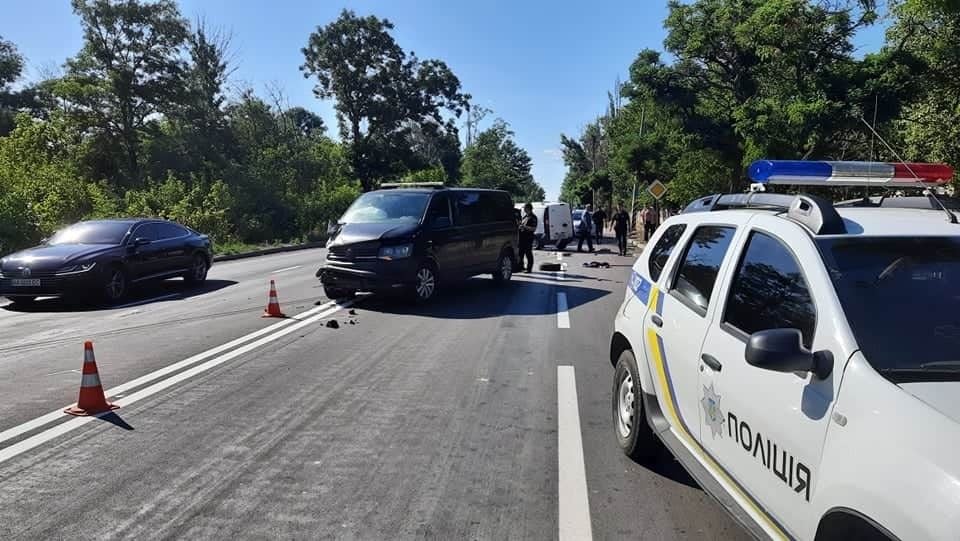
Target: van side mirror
{"points": [[441, 222], [781, 350]]}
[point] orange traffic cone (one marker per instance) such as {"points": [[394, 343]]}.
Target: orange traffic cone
{"points": [[273, 305], [92, 400]]}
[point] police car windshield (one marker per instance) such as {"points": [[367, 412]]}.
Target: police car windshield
{"points": [[386, 207], [901, 296]]}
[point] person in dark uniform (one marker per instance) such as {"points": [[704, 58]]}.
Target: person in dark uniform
{"points": [[621, 224], [528, 228], [598, 218]]}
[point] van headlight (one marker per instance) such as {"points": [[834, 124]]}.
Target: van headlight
{"points": [[396, 252]]}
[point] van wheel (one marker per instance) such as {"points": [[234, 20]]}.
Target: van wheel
{"points": [[505, 266], [634, 435], [425, 283]]}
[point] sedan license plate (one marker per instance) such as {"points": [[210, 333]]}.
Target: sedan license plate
{"points": [[22, 282]]}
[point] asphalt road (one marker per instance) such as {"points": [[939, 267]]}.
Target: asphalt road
{"points": [[436, 422]]}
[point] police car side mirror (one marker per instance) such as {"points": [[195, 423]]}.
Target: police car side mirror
{"points": [[781, 350]]}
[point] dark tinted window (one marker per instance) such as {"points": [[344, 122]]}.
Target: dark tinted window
{"points": [[170, 231], [497, 207], [663, 248], [769, 292], [439, 208], [468, 208], [901, 296], [701, 263], [91, 233], [147, 231]]}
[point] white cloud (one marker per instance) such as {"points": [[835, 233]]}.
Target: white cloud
{"points": [[554, 153]]}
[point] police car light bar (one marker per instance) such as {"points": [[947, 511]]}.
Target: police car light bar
{"points": [[817, 173]]}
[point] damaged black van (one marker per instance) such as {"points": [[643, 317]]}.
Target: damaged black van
{"points": [[413, 239]]}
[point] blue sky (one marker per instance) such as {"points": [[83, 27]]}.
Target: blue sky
{"points": [[543, 66]]}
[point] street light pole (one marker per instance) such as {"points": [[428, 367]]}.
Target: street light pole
{"points": [[633, 200]]}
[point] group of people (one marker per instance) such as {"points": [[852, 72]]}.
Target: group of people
{"points": [[598, 219], [590, 228]]}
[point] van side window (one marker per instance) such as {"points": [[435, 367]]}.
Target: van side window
{"points": [[663, 248], [439, 208], [495, 207], [769, 292], [701, 264], [468, 209]]}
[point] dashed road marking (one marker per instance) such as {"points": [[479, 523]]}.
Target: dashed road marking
{"points": [[285, 269], [574, 503], [563, 317], [146, 301]]}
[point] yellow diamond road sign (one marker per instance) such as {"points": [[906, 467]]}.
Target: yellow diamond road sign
{"points": [[657, 189]]}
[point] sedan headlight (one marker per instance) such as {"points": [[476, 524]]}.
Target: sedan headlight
{"points": [[76, 269], [396, 252]]}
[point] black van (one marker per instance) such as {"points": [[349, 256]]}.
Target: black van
{"points": [[414, 239]]}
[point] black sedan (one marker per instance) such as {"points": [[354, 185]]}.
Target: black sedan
{"points": [[105, 257]]}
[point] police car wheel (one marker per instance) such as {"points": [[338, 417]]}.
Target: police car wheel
{"points": [[634, 435]]}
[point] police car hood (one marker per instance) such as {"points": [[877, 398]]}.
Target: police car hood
{"points": [[943, 396]]}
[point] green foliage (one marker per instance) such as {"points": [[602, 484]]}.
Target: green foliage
{"points": [[494, 160], [382, 93]]}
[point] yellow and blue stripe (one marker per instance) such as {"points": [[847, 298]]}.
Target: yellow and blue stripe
{"points": [[652, 296]]}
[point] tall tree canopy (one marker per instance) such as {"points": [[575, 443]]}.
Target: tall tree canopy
{"points": [[494, 160], [381, 93]]}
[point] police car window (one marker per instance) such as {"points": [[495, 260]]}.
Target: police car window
{"points": [[901, 297], [663, 248], [468, 208], [701, 264], [768, 291]]}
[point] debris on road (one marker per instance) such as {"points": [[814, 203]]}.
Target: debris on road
{"points": [[333, 324], [552, 267], [352, 312], [353, 322], [597, 264]]}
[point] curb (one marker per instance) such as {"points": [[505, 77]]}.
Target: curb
{"points": [[268, 251]]}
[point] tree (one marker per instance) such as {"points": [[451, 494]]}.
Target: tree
{"points": [[495, 161], [380, 92], [11, 67], [128, 70]]}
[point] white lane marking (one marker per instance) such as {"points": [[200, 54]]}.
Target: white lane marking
{"points": [[74, 423], [285, 269], [563, 317], [574, 503], [559, 256], [33, 424], [145, 301]]}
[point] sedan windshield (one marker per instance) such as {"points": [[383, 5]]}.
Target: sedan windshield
{"points": [[91, 233], [901, 296], [385, 207]]}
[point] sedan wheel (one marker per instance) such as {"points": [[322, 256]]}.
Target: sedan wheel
{"points": [[116, 287], [198, 270]]}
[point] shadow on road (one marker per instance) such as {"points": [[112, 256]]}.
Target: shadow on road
{"points": [[665, 465], [479, 298], [148, 293], [115, 419]]}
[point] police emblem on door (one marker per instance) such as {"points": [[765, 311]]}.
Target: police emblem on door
{"points": [[712, 412]]}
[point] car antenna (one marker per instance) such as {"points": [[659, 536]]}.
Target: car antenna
{"points": [[951, 217]]}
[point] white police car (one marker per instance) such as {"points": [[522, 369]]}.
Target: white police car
{"points": [[802, 358]]}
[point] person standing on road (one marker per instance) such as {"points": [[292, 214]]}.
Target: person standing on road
{"points": [[621, 224], [598, 218], [528, 229], [584, 230], [649, 222]]}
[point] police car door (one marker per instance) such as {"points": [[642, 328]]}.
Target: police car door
{"points": [[766, 428], [678, 319]]}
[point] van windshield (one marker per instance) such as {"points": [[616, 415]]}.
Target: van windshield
{"points": [[385, 207]]}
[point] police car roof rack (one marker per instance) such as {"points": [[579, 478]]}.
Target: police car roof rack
{"points": [[814, 213]]}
